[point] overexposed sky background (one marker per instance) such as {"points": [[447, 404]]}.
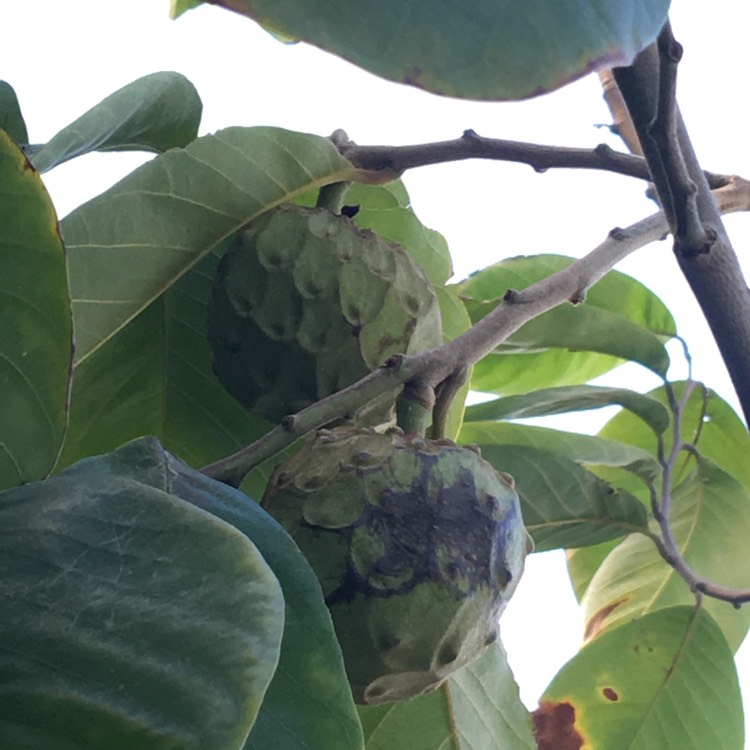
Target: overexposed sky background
{"points": [[64, 57]]}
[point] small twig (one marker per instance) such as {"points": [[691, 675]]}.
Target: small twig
{"points": [[396, 159], [662, 511]]}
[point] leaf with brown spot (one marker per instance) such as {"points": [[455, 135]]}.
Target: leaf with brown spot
{"points": [[554, 727], [665, 680], [596, 622]]}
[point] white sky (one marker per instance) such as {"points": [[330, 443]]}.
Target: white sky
{"points": [[63, 57]]}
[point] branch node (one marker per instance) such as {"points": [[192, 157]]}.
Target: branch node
{"points": [[618, 234], [287, 423], [470, 134], [513, 296], [701, 246], [603, 150], [578, 297], [393, 363]]}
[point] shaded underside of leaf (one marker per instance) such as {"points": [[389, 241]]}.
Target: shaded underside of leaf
{"points": [[509, 50], [36, 332], [592, 451], [564, 505], [665, 680], [572, 398], [136, 620], [309, 703], [153, 113]]}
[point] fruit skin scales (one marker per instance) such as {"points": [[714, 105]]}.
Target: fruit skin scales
{"points": [[305, 303], [418, 546]]}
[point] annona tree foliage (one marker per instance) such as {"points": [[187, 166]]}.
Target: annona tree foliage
{"points": [[243, 502]]}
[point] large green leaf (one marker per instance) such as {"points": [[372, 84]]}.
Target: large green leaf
{"points": [[666, 680], [154, 377], [154, 113], [621, 319], [479, 707], [711, 527], [309, 703], [11, 119], [564, 505], [131, 243], [571, 398], [583, 449], [487, 50], [36, 332], [133, 619], [509, 371]]}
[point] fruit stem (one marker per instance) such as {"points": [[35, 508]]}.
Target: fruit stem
{"points": [[414, 407], [332, 196]]}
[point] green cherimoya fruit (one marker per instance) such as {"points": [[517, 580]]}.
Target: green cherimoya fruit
{"points": [[305, 303], [418, 546]]}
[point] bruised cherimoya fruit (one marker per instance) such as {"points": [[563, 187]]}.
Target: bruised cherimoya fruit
{"points": [[418, 546], [305, 303]]}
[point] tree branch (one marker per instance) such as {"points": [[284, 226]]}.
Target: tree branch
{"points": [[662, 510], [702, 247], [395, 159], [438, 365]]}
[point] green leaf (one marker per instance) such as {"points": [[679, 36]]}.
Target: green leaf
{"points": [[616, 291], [507, 371], [154, 377], [11, 119], [181, 206], [309, 703], [708, 423], [665, 680], [154, 113], [711, 527], [479, 707], [583, 562], [137, 620], [583, 449], [580, 328], [36, 346], [571, 398], [178, 7], [398, 223], [620, 319], [564, 505], [509, 50]]}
